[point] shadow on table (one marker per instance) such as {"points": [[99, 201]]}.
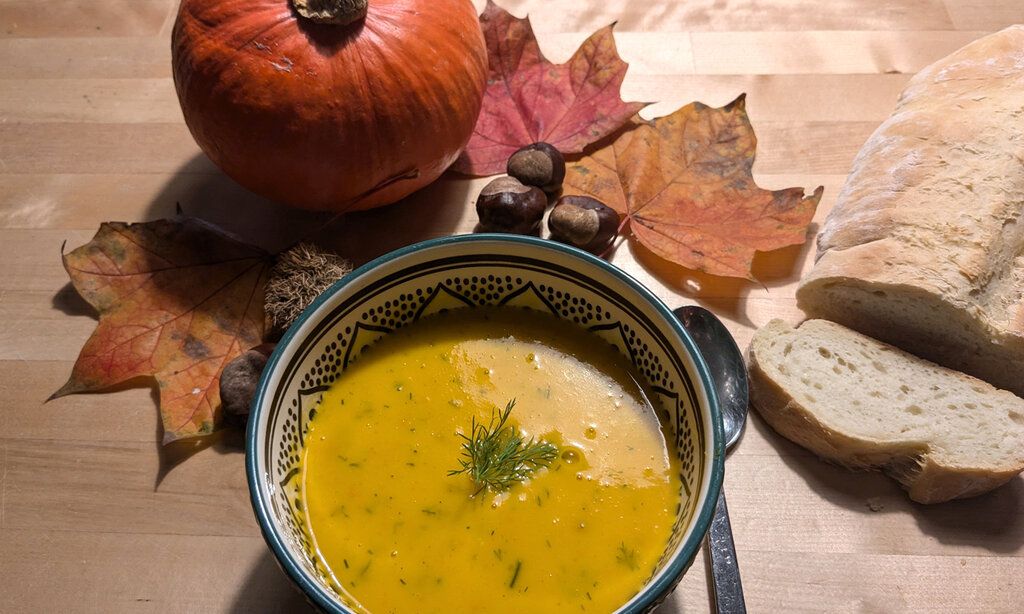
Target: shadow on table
{"points": [[726, 296], [694, 593], [68, 301], [230, 439], [200, 190], [268, 589], [993, 521]]}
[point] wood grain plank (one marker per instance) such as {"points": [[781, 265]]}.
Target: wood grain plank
{"points": [[84, 58], [984, 14], [797, 52], [82, 18], [113, 487], [735, 15], [823, 581], [36, 330], [774, 98], [79, 201], [38, 201], [774, 52], [809, 147], [29, 269], [840, 52], [103, 572], [129, 415], [858, 512], [99, 148], [89, 100], [3, 483]]}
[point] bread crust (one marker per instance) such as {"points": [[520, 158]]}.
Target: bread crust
{"points": [[909, 462], [925, 247]]}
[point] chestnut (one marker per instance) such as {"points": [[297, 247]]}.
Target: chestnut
{"points": [[539, 165], [240, 378], [584, 222], [506, 205]]}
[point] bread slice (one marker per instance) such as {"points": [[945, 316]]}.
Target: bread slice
{"points": [[867, 405], [925, 246]]}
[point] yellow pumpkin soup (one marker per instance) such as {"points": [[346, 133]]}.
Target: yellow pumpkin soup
{"points": [[494, 460]]}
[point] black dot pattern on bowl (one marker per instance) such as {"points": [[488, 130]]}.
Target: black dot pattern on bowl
{"points": [[582, 311], [398, 306], [482, 290]]}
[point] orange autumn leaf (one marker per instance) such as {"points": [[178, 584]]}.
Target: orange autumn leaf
{"points": [[684, 184], [177, 300], [529, 99]]}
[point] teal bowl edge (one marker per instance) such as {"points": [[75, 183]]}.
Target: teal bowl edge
{"points": [[651, 594]]}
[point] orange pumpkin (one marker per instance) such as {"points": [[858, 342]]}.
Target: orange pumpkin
{"points": [[330, 104]]}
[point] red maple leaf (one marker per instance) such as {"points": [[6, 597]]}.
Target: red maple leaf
{"points": [[529, 99]]}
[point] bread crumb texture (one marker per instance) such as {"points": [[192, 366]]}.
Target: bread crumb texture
{"points": [[865, 404]]}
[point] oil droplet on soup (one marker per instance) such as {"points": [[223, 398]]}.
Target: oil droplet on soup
{"points": [[398, 534]]}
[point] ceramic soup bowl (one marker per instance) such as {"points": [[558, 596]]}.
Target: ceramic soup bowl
{"points": [[465, 272]]}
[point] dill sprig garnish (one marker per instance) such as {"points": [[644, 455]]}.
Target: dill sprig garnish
{"points": [[496, 456]]}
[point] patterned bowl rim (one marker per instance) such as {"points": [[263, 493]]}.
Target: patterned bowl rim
{"points": [[650, 592]]}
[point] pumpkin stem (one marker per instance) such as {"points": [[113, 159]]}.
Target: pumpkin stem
{"points": [[338, 12]]}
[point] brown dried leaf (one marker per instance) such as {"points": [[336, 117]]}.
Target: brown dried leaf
{"points": [[684, 182], [177, 300]]}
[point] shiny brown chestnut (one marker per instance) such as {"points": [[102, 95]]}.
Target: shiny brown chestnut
{"points": [[539, 165], [584, 222], [506, 205]]}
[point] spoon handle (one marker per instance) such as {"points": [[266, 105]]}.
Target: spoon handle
{"points": [[725, 570]]}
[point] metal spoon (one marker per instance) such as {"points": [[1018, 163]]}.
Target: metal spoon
{"points": [[729, 376]]}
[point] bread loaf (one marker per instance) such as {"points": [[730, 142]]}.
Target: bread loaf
{"points": [[925, 248], [865, 404]]}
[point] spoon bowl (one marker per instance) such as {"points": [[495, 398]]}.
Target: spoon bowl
{"points": [[725, 363]]}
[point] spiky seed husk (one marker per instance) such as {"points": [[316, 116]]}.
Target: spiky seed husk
{"points": [[301, 274]]}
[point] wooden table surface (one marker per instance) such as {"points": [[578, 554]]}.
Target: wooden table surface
{"points": [[96, 517]]}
